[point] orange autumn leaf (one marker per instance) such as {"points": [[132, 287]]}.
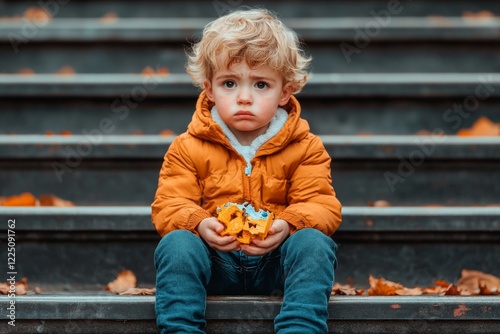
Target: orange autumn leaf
{"points": [[21, 287], [345, 290], [139, 292], [148, 70], [409, 291], [51, 200], [37, 14], [125, 280], [65, 70], [478, 282], [480, 15], [107, 18], [162, 71], [66, 133], [483, 126], [24, 199], [382, 287], [380, 203], [26, 71], [166, 133]]}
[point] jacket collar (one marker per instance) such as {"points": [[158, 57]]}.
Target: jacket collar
{"points": [[205, 127]]}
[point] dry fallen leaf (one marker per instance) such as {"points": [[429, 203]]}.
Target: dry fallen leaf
{"points": [[65, 70], [21, 287], [126, 279], [52, 200], [37, 14], [478, 282], [24, 199], [409, 291], [108, 18], [346, 290], [139, 292], [480, 15], [380, 203], [148, 70], [483, 126], [166, 133], [26, 71], [382, 287]]}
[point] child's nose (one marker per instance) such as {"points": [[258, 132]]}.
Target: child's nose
{"points": [[244, 96]]}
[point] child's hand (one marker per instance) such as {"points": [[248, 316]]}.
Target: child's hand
{"points": [[277, 233], [210, 228]]}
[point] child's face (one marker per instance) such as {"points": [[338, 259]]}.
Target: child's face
{"points": [[247, 99]]}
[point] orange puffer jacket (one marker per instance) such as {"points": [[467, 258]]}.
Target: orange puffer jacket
{"points": [[290, 176]]}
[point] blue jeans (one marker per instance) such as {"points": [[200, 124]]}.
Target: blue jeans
{"points": [[301, 269]]}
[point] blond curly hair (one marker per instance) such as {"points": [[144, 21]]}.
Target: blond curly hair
{"points": [[256, 36]]}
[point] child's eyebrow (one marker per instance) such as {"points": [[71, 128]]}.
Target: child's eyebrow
{"points": [[234, 75]]}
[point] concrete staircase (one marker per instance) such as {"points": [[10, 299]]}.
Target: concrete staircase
{"points": [[382, 72]]}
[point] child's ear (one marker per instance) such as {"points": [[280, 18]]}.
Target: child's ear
{"points": [[207, 85], [285, 94]]}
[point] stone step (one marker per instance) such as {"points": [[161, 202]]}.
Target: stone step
{"points": [[337, 45], [310, 29], [123, 170], [409, 56], [412, 245], [106, 313], [325, 85], [316, 8], [326, 116]]}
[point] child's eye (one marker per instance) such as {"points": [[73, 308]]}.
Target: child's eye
{"points": [[261, 85], [229, 84]]}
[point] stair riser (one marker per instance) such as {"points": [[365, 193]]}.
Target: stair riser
{"points": [[122, 182], [325, 116], [404, 57], [414, 259]]}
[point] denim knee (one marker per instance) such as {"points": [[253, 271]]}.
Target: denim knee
{"points": [[182, 248], [311, 243]]}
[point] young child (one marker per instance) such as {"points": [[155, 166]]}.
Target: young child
{"points": [[246, 143]]}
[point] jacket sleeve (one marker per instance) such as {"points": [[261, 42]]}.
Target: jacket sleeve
{"points": [[177, 200], [311, 197]]}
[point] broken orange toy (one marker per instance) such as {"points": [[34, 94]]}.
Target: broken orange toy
{"points": [[243, 222]]}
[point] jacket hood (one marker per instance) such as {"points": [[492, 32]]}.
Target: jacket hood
{"points": [[204, 127]]}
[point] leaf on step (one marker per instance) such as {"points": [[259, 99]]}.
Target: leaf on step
{"points": [[479, 282], [21, 287], [52, 200], [480, 15], [65, 70], [381, 203], [409, 291], [382, 287], [139, 292], [160, 70], [125, 280], [345, 290], [166, 132], [26, 71], [24, 199], [109, 18], [37, 14], [483, 126]]}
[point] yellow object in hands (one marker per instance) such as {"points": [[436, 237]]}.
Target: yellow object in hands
{"points": [[243, 222]]}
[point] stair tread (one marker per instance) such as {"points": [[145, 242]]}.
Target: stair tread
{"points": [[358, 219], [317, 28], [430, 147], [328, 85], [83, 305]]}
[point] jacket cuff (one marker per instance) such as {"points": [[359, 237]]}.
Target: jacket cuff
{"points": [[297, 221], [195, 218]]}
